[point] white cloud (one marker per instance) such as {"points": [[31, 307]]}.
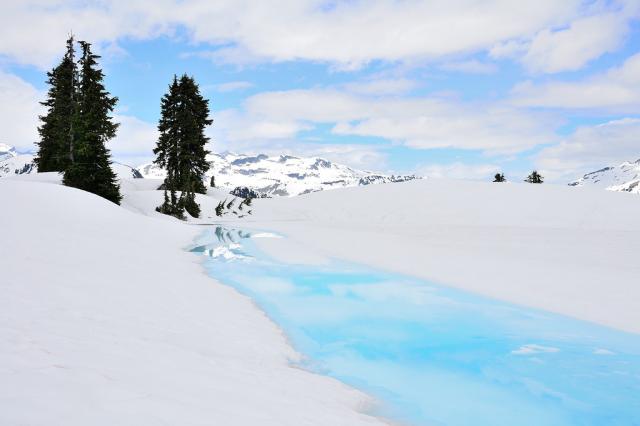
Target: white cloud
{"points": [[34, 31], [348, 34], [232, 126], [616, 89], [19, 111], [427, 123], [508, 49], [231, 86], [416, 122], [470, 67], [571, 48], [354, 33], [592, 147], [596, 29], [459, 170], [135, 137]]}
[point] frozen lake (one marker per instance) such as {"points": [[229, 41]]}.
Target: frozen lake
{"points": [[433, 355]]}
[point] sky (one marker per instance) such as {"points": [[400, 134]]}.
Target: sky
{"points": [[444, 88]]}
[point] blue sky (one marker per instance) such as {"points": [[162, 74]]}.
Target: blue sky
{"points": [[444, 89]]}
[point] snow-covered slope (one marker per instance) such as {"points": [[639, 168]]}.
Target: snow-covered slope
{"points": [[281, 175], [546, 246], [12, 163], [106, 320], [624, 177], [125, 172]]}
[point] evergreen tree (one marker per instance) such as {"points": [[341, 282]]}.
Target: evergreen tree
{"points": [[166, 150], [55, 148], [499, 177], [220, 208], [181, 145], [92, 127], [534, 177], [193, 118]]}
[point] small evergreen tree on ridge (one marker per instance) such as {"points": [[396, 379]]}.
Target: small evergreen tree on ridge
{"points": [[534, 177]]}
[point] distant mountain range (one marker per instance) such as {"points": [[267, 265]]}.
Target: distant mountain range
{"points": [[13, 163], [282, 175], [624, 177], [286, 175]]}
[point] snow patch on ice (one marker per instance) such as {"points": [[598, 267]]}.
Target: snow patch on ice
{"points": [[225, 252], [601, 351], [534, 349], [265, 235]]}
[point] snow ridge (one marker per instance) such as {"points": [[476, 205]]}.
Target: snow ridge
{"points": [[624, 177]]}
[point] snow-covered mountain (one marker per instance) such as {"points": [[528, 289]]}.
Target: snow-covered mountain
{"points": [[125, 171], [267, 175], [623, 178], [282, 175], [13, 163]]}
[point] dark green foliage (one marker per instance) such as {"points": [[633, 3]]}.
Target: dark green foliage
{"points": [[499, 177], [56, 132], [91, 127], [244, 202], [534, 177], [244, 192], [220, 208], [190, 205], [181, 145], [171, 205]]}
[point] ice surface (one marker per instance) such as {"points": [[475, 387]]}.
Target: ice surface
{"points": [[437, 355]]}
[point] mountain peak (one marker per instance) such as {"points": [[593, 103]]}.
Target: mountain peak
{"points": [[7, 150], [624, 177], [280, 175]]}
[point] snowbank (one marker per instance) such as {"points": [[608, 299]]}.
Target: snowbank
{"points": [[549, 247], [105, 320]]}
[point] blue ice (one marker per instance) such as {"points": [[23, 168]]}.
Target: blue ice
{"points": [[433, 355]]}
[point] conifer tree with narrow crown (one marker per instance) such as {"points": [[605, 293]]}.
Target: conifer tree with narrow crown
{"points": [[55, 148], [181, 146], [91, 128]]}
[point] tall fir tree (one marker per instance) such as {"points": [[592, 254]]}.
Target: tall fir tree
{"points": [[181, 146], [91, 127], [166, 150], [55, 148]]}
